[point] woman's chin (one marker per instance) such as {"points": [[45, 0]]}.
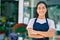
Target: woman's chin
{"points": [[41, 14]]}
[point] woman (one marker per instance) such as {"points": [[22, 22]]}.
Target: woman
{"points": [[41, 28]]}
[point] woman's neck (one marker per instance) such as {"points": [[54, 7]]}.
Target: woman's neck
{"points": [[41, 17]]}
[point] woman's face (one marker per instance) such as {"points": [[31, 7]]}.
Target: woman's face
{"points": [[41, 9]]}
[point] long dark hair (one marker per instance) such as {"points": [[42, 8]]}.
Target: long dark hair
{"points": [[36, 14]]}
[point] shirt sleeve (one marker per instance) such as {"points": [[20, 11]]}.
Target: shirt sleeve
{"points": [[30, 24], [51, 24]]}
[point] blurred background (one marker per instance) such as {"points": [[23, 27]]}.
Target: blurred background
{"points": [[15, 16]]}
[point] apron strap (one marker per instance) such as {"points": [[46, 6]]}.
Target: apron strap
{"points": [[46, 20], [35, 21]]}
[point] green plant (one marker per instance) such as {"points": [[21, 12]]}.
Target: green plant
{"points": [[21, 29], [2, 29]]}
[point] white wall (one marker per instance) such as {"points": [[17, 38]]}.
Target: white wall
{"points": [[20, 12]]}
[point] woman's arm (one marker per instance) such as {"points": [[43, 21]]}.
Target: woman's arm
{"points": [[33, 34], [49, 33]]}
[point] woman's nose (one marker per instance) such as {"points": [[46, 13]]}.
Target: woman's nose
{"points": [[41, 9]]}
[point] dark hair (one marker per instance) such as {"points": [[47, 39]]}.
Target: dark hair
{"points": [[36, 14]]}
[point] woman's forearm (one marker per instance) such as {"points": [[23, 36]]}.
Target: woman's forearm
{"points": [[45, 34], [35, 36], [49, 33]]}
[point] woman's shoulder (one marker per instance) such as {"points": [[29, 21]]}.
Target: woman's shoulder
{"points": [[50, 20], [51, 23], [32, 19]]}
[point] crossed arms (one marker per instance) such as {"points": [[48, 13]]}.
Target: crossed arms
{"points": [[39, 34]]}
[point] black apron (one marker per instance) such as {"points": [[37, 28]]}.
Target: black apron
{"points": [[40, 27]]}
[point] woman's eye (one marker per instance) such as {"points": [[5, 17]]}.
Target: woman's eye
{"points": [[39, 8], [43, 7]]}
